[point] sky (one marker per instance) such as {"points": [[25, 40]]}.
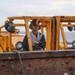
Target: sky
{"points": [[36, 8]]}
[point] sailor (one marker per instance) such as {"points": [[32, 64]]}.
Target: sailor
{"points": [[37, 38]]}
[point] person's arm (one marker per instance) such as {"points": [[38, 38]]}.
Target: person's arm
{"points": [[25, 44], [42, 42], [42, 39]]}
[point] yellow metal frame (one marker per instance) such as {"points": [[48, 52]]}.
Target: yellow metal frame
{"points": [[59, 27], [53, 27], [46, 23]]}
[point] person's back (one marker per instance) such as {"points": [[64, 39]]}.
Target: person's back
{"points": [[37, 38]]}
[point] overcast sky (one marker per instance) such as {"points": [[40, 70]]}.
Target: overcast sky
{"points": [[36, 8]]}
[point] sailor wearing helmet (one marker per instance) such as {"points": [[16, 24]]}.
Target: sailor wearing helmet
{"points": [[37, 38]]}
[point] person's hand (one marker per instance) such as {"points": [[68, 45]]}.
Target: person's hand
{"points": [[36, 43]]}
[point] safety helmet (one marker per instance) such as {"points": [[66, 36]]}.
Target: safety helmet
{"points": [[35, 22]]}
